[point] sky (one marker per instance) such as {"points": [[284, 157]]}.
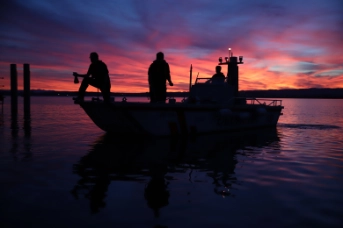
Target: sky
{"points": [[293, 44]]}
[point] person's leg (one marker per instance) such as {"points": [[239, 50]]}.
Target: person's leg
{"points": [[106, 94], [162, 93], [83, 87], [152, 94], [158, 93]]}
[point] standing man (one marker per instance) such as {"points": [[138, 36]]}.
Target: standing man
{"points": [[158, 74], [97, 76]]}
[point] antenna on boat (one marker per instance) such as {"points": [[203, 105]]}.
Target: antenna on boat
{"points": [[232, 69], [190, 78]]}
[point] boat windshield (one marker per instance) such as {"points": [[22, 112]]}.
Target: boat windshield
{"points": [[207, 81]]}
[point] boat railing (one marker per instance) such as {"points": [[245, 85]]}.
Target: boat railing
{"points": [[268, 102], [205, 80], [197, 80]]}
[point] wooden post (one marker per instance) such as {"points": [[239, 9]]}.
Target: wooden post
{"points": [[26, 89], [14, 90], [2, 98]]}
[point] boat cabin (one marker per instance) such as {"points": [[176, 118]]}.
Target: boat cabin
{"points": [[209, 90], [205, 91]]}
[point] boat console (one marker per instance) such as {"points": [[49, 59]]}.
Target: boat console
{"points": [[208, 90]]}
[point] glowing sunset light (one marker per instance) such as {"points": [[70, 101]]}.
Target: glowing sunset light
{"points": [[293, 44]]}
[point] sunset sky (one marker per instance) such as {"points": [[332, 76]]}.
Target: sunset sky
{"points": [[285, 44]]}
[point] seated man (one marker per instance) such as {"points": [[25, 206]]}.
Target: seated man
{"points": [[97, 76], [219, 77]]}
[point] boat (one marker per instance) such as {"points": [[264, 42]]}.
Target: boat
{"points": [[209, 108]]}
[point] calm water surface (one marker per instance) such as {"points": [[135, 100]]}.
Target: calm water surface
{"points": [[57, 169]]}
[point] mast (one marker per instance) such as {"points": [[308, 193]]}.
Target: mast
{"points": [[232, 70], [190, 78]]}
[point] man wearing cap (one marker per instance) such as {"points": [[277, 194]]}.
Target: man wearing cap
{"points": [[97, 76]]}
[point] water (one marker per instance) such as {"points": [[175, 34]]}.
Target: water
{"points": [[57, 169]]}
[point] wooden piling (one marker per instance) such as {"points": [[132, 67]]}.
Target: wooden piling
{"points": [[26, 89], [14, 90], [2, 98]]}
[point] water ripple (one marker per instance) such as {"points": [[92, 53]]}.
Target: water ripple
{"points": [[309, 126]]}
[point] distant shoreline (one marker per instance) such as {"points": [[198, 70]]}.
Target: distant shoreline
{"points": [[286, 93]]}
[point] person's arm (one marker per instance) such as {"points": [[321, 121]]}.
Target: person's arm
{"points": [[80, 75], [168, 76], [83, 75], [149, 74], [105, 68]]}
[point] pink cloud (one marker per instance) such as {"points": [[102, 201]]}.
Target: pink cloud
{"points": [[281, 50]]}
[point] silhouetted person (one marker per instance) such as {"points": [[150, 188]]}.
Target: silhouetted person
{"points": [[95, 182], [97, 194], [97, 76], [158, 74], [156, 192], [218, 77]]}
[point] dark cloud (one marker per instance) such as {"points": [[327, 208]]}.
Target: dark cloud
{"points": [[292, 36]]}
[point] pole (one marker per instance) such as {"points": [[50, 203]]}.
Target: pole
{"points": [[233, 74], [14, 90], [2, 98], [190, 78], [26, 89]]}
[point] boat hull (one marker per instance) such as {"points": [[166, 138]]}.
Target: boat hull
{"points": [[179, 118]]}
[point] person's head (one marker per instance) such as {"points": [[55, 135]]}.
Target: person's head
{"points": [[160, 56], [94, 57], [218, 69]]}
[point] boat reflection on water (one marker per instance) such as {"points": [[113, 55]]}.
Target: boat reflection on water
{"points": [[157, 162]]}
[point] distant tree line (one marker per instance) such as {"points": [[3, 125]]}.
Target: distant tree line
{"points": [[294, 93], [285, 93]]}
